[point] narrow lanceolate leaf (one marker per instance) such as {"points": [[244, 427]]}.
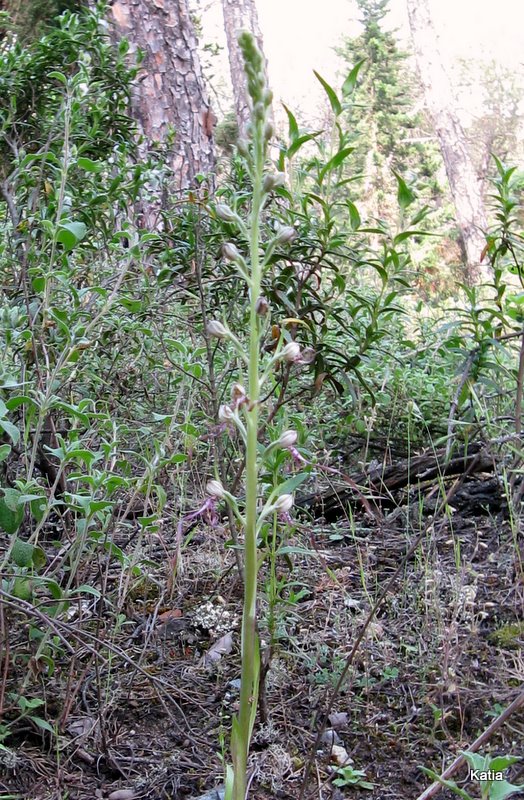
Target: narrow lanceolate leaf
{"points": [[293, 124], [351, 81], [335, 162], [405, 195], [334, 102]]}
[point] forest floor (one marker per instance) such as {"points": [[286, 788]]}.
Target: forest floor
{"points": [[441, 658]]}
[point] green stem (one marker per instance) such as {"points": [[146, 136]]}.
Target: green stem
{"points": [[249, 678]]}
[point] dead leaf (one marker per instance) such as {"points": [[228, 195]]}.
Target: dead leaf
{"points": [[171, 613], [220, 648]]}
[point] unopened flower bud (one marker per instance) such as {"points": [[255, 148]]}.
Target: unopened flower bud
{"points": [[287, 439], [273, 181], [225, 413], [215, 489], [225, 213], [286, 235], [231, 252], [262, 306], [260, 110], [269, 131], [268, 97], [283, 504], [291, 352], [215, 328], [243, 147]]}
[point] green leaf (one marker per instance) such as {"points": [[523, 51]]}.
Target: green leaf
{"points": [[11, 430], [22, 553], [37, 508], [59, 76], [70, 233], [42, 723], [39, 557], [351, 81], [19, 400], [5, 449], [86, 589], [89, 165], [354, 216], [293, 124], [38, 284], [404, 194], [334, 162], [500, 763], [289, 486], [297, 143], [10, 520], [23, 588], [332, 95], [502, 789]]}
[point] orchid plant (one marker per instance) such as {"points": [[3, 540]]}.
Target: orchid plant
{"points": [[245, 408]]}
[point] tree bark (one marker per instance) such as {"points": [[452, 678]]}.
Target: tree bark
{"points": [[240, 15], [463, 179], [169, 101]]}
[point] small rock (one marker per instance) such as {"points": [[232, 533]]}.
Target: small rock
{"points": [[340, 755], [214, 794], [338, 719], [235, 683], [122, 794], [330, 738]]}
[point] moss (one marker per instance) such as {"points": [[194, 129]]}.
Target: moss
{"points": [[508, 635]]}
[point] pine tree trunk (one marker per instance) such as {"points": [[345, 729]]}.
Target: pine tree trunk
{"points": [[240, 15], [169, 100], [463, 179]]}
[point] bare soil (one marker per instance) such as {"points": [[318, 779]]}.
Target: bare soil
{"points": [[136, 706]]}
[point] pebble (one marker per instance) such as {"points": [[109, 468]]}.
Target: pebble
{"points": [[122, 794], [214, 794], [330, 738]]}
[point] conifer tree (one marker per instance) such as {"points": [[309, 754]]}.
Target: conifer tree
{"points": [[388, 134]]}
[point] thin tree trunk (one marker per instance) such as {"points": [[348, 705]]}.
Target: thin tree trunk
{"points": [[169, 101], [240, 15], [463, 179]]}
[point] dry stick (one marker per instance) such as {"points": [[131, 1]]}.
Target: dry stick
{"points": [[435, 787]]}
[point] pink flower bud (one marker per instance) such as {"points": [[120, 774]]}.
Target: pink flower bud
{"points": [[225, 413], [283, 504], [231, 252], [287, 439], [262, 306], [215, 328], [286, 235], [225, 213], [215, 489], [273, 181], [291, 352]]}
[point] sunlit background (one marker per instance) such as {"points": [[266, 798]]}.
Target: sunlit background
{"points": [[300, 37]]}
